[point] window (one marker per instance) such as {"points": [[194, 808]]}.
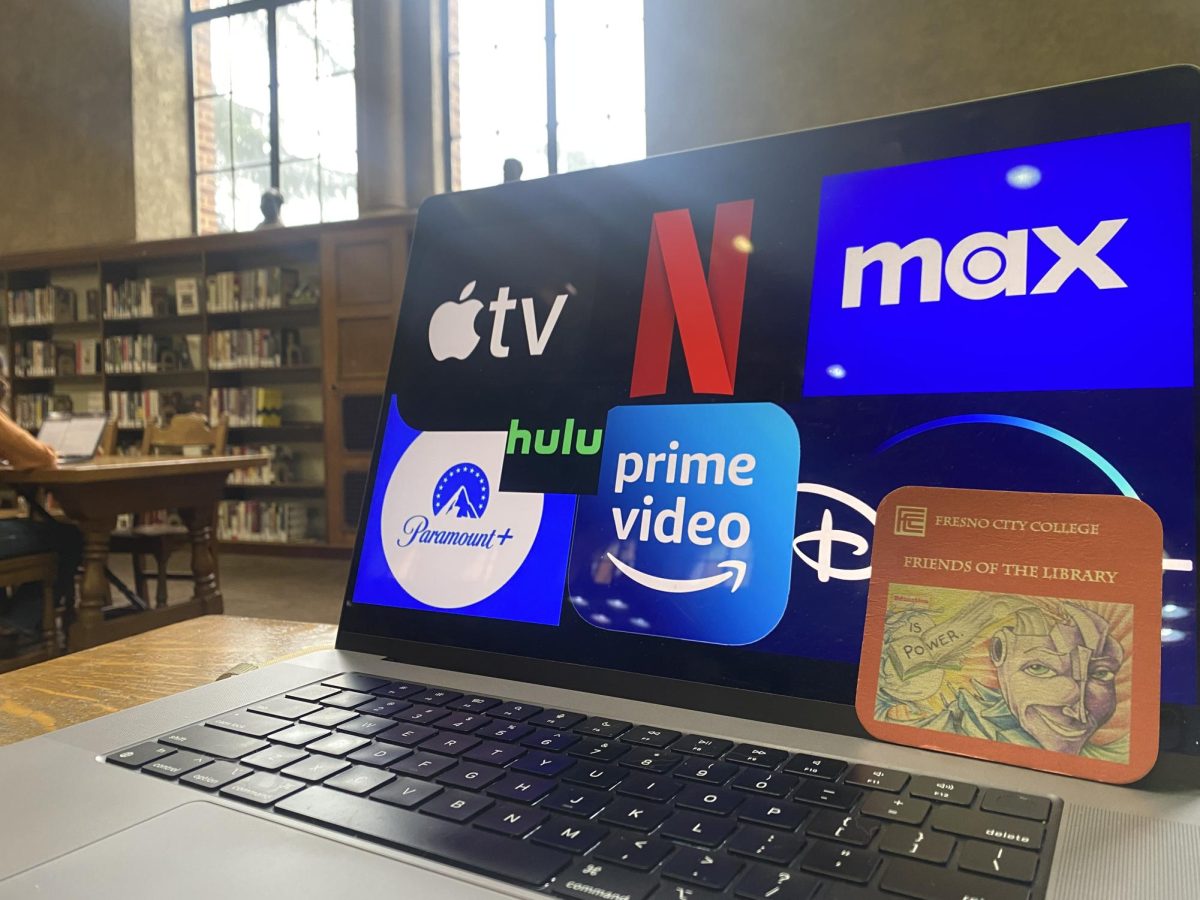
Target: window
{"points": [[273, 105], [557, 84]]}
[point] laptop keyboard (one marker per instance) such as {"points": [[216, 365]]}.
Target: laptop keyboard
{"points": [[587, 807]]}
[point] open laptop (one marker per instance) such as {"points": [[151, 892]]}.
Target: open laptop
{"points": [[73, 437], [600, 634]]}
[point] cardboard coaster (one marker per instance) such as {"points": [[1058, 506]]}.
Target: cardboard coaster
{"points": [[1016, 627]]}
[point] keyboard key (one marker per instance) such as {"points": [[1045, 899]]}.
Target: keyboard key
{"points": [[943, 790], [449, 743], [505, 732], [844, 829], [299, 735], [285, 708], [576, 801], [515, 821], [385, 707], [773, 784], [425, 765], [987, 826], [753, 755], [329, 717], [765, 844], [636, 852], [359, 779], [312, 692], [435, 697], [710, 870], [522, 788], [474, 704], [589, 880], [365, 726], [555, 719], [274, 758], [571, 835], [774, 813], [546, 764], [382, 755], [338, 744], [840, 862], [714, 772], [418, 833], [1009, 803], [917, 843], [999, 862], [592, 775], [213, 742], [356, 681], [697, 828], [599, 750], [909, 810], [880, 779], [347, 699], [406, 792], [647, 759], [650, 737], [406, 735], [676, 891], [922, 882], [261, 789], [550, 741], [422, 713], [472, 776], [457, 806], [248, 723], [176, 764], [636, 815], [695, 745], [315, 768], [649, 787], [832, 795], [398, 690], [133, 757], [815, 767], [766, 883], [602, 727], [494, 754], [718, 801], [215, 775], [515, 712], [464, 722]]}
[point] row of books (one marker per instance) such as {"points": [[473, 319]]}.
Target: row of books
{"points": [[264, 520], [51, 358], [48, 305], [281, 469], [30, 409], [138, 299], [254, 348], [249, 406], [132, 353], [249, 289]]}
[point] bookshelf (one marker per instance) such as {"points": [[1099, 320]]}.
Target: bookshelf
{"points": [[288, 332]]}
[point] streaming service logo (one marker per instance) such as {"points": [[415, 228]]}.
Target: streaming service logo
{"points": [[690, 534], [452, 333], [708, 311], [440, 537], [1061, 266]]}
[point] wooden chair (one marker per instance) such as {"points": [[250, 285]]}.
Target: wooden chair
{"points": [[40, 567], [186, 434]]}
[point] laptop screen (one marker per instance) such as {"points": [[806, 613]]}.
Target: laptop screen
{"points": [[640, 418]]}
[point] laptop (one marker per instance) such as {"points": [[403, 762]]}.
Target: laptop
{"points": [[73, 437], [601, 630]]}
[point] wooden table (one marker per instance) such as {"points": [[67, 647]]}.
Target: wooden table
{"points": [[125, 673], [93, 495]]}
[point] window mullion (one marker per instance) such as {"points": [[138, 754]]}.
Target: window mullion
{"points": [[274, 92], [551, 98]]}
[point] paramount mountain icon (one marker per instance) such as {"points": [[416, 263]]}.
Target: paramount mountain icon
{"points": [[462, 492]]}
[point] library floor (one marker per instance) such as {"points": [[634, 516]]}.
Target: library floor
{"points": [[303, 590]]}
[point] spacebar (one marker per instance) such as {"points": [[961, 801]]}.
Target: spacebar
{"points": [[458, 845]]}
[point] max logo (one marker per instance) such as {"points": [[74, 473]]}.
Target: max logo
{"points": [[709, 311]]}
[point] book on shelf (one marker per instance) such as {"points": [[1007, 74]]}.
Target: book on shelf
{"points": [[247, 406], [264, 520], [280, 469], [138, 299], [254, 348], [30, 409], [252, 289], [46, 359], [134, 353], [51, 305], [134, 409]]}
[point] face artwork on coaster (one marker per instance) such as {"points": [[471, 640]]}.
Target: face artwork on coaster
{"points": [[441, 537]]}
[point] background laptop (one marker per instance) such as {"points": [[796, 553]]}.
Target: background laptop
{"points": [[73, 437], [548, 681]]}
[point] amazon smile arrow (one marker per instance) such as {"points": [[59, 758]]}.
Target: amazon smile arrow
{"points": [[736, 570]]}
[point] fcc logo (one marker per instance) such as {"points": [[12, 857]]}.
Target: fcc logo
{"points": [[910, 521]]}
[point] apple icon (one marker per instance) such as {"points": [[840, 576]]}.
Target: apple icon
{"points": [[452, 327]]}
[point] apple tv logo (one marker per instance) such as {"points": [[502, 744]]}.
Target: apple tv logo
{"points": [[452, 333]]}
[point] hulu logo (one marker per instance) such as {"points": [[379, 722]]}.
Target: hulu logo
{"points": [[556, 440]]}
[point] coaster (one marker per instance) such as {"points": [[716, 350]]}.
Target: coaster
{"points": [[1020, 628]]}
